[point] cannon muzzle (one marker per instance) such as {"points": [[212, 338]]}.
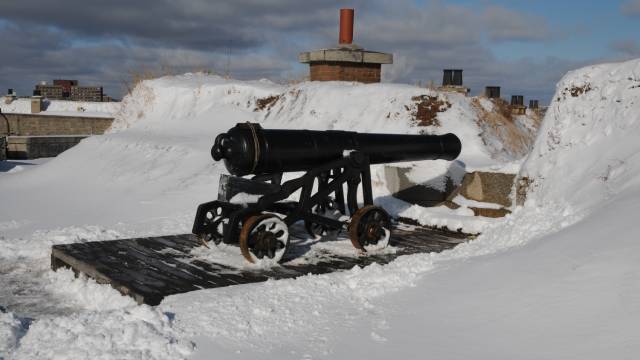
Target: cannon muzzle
{"points": [[247, 148]]}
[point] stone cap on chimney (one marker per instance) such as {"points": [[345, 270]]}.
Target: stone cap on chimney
{"points": [[346, 54]]}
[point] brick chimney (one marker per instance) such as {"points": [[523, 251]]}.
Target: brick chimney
{"points": [[347, 61]]}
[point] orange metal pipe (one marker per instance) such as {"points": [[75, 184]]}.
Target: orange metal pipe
{"points": [[346, 26]]}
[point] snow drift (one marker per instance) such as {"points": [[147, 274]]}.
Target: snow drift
{"points": [[587, 152]]}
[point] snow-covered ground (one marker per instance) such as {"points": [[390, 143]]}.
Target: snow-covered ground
{"points": [[558, 278], [63, 107], [15, 166]]}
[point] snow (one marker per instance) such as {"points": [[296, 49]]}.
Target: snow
{"points": [[139, 332], [557, 278], [15, 166], [11, 329], [64, 108]]}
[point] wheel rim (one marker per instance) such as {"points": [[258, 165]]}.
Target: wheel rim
{"points": [[214, 221], [328, 210], [370, 228], [264, 239]]}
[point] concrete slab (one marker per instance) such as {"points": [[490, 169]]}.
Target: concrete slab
{"points": [[346, 55]]}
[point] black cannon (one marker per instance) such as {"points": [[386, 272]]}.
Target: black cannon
{"points": [[255, 213]]}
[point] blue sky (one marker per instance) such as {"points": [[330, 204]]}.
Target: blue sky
{"points": [[524, 46], [584, 29]]}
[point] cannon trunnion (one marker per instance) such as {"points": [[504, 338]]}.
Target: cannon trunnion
{"points": [[255, 213]]}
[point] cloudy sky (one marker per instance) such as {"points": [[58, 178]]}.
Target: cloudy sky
{"points": [[523, 45]]}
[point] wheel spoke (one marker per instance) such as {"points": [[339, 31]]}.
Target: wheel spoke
{"points": [[264, 238], [368, 229]]}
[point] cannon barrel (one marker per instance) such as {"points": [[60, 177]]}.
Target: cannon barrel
{"points": [[247, 148]]}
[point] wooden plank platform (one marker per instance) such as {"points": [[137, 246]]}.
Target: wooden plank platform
{"points": [[148, 269]]}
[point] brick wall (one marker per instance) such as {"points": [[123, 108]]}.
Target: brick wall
{"points": [[41, 125], [345, 71]]}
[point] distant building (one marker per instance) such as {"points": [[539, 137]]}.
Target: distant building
{"points": [[70, 90], [66, 86], [53, 92], [86, 93]]}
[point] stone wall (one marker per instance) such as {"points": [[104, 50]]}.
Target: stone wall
{"points": [[32, 147], [3, 148], [41, 125], [345, 71]]}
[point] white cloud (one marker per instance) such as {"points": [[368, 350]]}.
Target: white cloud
{"points": [[627, 47], [507, 25], [262, 39]]}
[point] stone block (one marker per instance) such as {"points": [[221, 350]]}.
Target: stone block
{"points": [[488, 187], [522, 187], [343, 55], [317, 55], [377, 57], [346, 55], [492, 213], [518, 110], [403, 188], [304, 57], [36, 104]]}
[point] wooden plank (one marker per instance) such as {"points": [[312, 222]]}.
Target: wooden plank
{"points": [[151, 268]]}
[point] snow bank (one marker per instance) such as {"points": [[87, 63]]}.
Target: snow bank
{"points": [[64, 107], [587, 150], [138, 332], [11, 330]]}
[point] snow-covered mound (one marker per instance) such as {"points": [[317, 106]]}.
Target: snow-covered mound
{"points": [[156, 164], [172, 102], [563, 279], [63, 107], [587, 152]]}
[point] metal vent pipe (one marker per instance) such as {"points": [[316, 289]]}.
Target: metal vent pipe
{"points": [[346, 26], [447, 77], [457, 78], [492, 92], [517, 100]]}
